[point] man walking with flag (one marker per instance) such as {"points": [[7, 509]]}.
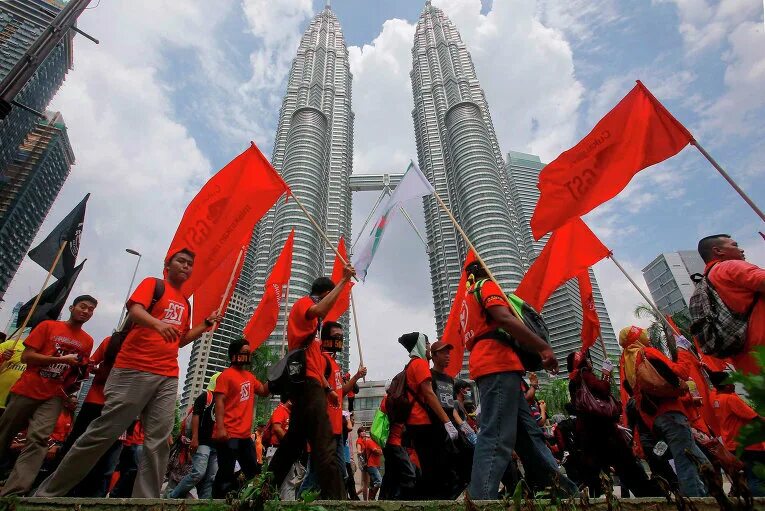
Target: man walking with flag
{"points": [[144, 382], [55, 353]]}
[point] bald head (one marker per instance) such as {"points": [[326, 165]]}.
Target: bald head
{"points": [[720, 247]]}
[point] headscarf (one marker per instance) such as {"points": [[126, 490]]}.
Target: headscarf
{"points": [[632, 339], [213, 380], [415, 344]]}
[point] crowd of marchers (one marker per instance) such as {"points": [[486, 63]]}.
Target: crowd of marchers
{"points": [[434, 437]]}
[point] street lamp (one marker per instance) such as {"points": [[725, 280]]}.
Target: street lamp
{"points": [[130, 288]]}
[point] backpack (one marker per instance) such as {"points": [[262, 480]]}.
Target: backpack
{"points": [[397, 402], [118, 337], [720, 331], [531, 318]]}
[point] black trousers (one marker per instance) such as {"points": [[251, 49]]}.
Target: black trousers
{"points": [[400, 479], [229, 452], [436, 454], [309, 423]]}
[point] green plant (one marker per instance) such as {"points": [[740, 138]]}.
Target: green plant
{"points": [[555, 395], [658, 333], [754, 386], [262, 359]]}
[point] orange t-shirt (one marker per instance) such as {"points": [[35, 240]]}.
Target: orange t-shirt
{"points": [[55, 339], [336, 383], [136, 435], [239, 388], [706, 412], [144, 349], [299, 329], [396, 429], [372, 452], [738, 284], [680, 404], [96, 392], [734, 413], [63, 427], [487, 356], [280, 416], [417, 372]]}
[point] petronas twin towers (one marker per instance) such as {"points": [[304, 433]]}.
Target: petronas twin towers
{"points": [[456, 147]]}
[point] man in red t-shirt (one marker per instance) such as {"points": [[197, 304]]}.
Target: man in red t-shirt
{"points": [[485, 322], [235, 392], [310, 421], [56, 354], [143, 382], [741, 287]]}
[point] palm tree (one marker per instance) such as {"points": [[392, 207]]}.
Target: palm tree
{"points": [[658, 332]]}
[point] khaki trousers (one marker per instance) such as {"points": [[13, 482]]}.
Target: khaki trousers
{"points": [[129, 394], [39, 417]]}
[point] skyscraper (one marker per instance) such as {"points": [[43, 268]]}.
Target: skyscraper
{"points": [[669, 279], [458, 151], [563, 311], [31, 183], [313, 151]]}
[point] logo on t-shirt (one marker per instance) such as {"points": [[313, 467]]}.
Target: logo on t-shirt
{"points": [[64, 346], [245, 391], [174, 313]]}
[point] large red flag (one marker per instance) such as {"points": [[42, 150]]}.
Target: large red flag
{"points": [[263, 321], [226, 210], [452, 329], [570, 250], [637, 133], [208, 296], [590, 320], [342, 303]]}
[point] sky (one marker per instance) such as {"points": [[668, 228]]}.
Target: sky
{"points": [[175, 90]]}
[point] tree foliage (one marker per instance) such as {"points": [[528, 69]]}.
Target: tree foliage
{"points": [[555, 394], [263, 358], [658, 332]]}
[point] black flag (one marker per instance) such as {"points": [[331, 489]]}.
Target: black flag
{"points": [[52, 301], [69, 229]]}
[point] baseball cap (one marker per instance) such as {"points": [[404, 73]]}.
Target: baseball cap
{"points": [[440, 345]]}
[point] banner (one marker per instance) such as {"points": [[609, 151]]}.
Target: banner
{"points": [[452, 334], [69, 230]]}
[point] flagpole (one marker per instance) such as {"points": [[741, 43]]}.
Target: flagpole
{"points": [[284, 330], [385, 192], [358, 340], [321, 231], [729, 179], [471, 247], [39, 295], [642, 293], [230, 282]]}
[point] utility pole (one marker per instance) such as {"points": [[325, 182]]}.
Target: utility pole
{"points": [[20, 74]]}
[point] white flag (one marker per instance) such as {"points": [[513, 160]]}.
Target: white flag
{"points": [[413, 185]]}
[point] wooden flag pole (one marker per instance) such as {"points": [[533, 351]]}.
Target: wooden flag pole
{"points": [[642, 293], [321, 231], [39, 295], [230, 282], [471, 247], [729, 179], [358, 339], [284, 330]]}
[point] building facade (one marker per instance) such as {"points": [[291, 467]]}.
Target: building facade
{"points": [[563, 311], [669, 279], [31, 184], [458, 151], [313, 151]]}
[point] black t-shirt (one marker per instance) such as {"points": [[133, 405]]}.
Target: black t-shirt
{"points": [[443, 387], [205, 418]]}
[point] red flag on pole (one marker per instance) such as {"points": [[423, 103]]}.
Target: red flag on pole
{"points": [[344, 301], [570, 250], [207, 298], [590, 320], [263, 321], [452, 334], [637, 133], [225, 211]]}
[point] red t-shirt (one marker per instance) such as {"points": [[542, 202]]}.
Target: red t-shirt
{"points": [[487, 356], [299, 329], [336, 383], [417, 371], [372, 452], [144, 349], [136, 435], [679, 404], [96, 391], [280, 416], [239, 388], [706, 413], [63, 427], [52, 338], [738, 284], [396, 429], [734, 413]]}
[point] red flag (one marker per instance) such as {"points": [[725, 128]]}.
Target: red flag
{"points": [[342, 303], [263, 321], [590, 320], [452, 334], [225, 211], [208, 296], [570, 250], [637, 133]]}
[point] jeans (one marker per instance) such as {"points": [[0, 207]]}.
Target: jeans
{"points": [[128, 465], [505, 418], [756, 485], [229, 452], [375, 479], [673, 428], [311, 481], [400, 477], [204, 466]]}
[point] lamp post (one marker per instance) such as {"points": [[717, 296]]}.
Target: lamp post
{"points": [[132, 281]]}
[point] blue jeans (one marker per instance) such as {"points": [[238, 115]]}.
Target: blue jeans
{"points": [[375, 479], [673, 428], [311, 480], [204, 466], [505, 419]]}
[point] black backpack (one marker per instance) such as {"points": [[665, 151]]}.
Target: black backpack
{"points": [[398, 406], [531, 318]]}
